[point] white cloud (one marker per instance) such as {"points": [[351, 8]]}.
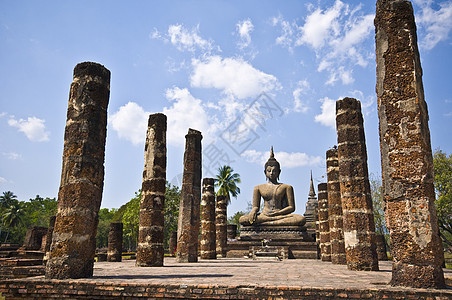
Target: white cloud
{"points": [[3, 180], [2, 114], [236, 77], [184, 39], [244, 29], [320, 26], [130, 123], [34, 128], [186, 112], [436, 23], [328, 115], [12, 155], [288, 32], [287, 160], [300, 105]]}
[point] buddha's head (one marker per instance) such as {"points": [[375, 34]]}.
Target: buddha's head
{"points": [[272, 167]]}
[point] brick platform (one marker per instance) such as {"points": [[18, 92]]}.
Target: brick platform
{"points": [[226, 278]]}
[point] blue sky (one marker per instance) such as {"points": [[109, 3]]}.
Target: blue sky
{"points": [[247, 74]]}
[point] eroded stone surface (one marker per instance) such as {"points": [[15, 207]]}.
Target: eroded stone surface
{"points": [[82, 177], [190, 200], [150, 236], [358, 217], [221, 225], [406, 154], [208, 230]]}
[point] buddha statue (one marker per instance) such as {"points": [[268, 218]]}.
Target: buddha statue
{"points": [[279, 201]]}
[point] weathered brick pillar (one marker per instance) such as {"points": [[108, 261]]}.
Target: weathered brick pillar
{"points": [[114, 252], [150, 234], [33, 237], [381, 247], [324, 226], [358, 216], [232, 231], [406, 154], [172, 243], [190, 200], [208, 220], [49, 239], [221, 225], [335, 209], [82, 177]]}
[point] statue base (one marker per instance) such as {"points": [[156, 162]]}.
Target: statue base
{"points": [[275, 233]]}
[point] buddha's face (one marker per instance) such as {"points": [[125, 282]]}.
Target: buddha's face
{"points": [[272, 172]]}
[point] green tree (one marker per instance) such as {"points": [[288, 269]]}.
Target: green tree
{"points": [[235, 219], [13, 216], [226, 181], [131, 221], [378, 204], [443, 186], [103, 228], [5, 201], [172, 200]]}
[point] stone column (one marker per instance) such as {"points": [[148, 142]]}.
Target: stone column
{"points": [[381, 247], [82, 177], [324, 227], [232, 231], [172, 243], [49, 239], [221, 225], [190, 200], [114, 252], [150, 234], [208, 220], [358, 216], [335, 209], [406, 153]]}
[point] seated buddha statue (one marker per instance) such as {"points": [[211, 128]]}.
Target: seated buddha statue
{"points": [[279, 201]]}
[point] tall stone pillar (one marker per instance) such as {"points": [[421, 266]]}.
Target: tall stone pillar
{"points": [[49, 239], [221, 225], [82, 177], [406, 153], [150, 234], [324, 226], [114, 251], [358, 216], [208, 232], [190, 200], [335, 209]]}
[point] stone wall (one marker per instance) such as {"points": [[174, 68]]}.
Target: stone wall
{"points": [[406, 153], [82, 177]]}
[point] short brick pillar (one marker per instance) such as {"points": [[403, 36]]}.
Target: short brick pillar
{"points": [[172, 243], [221, 225], [114, 252], [381, 247]]}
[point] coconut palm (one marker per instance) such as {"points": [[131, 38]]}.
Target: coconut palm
{"points": [[13, 215], [226, 181], [5, 201]]}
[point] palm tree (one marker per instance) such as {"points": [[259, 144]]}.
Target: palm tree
{"points": [[13, 216], [226, 181], [5, 201]]}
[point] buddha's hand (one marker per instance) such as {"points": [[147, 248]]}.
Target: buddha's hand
{"points": [[253, 215]]}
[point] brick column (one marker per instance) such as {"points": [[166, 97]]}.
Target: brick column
{"points": [[190, 200], [114, 251], [221, 225], [406, 153], [358, 216], [324, 227], [381, 247], [82, 177], [335, 209], [232, 231], [208, 233], [150, 234]]}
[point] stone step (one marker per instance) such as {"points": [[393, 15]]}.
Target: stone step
{"points": [[20, 262]]}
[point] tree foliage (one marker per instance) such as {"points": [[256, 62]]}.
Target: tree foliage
{"points": [[226, 181], [443, 186], [378, 204]]}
